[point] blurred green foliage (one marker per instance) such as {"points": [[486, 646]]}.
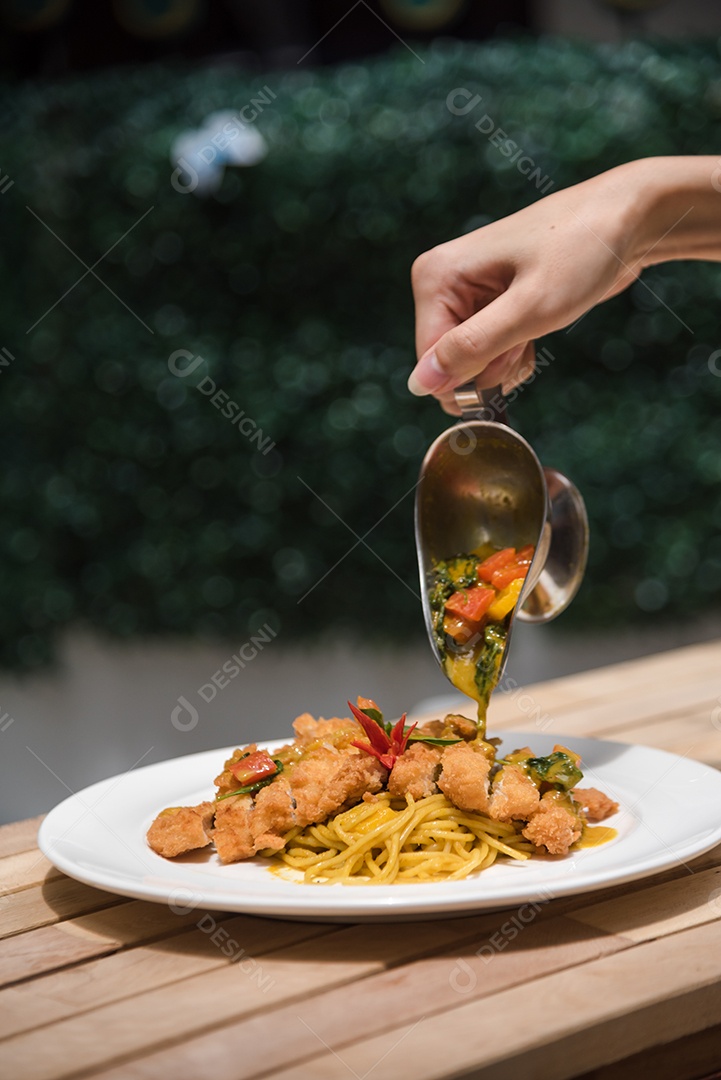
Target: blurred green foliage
{"points": [[130, 503]]}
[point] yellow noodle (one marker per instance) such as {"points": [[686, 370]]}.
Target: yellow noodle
{"points": [[391, 840]]}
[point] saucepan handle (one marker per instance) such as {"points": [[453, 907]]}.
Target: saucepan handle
{"points": [[478, 404]]}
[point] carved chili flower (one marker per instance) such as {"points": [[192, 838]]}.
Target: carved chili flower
{"points": [[386, 743]]}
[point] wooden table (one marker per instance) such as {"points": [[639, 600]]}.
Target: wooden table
{"points": [[625, 983]]}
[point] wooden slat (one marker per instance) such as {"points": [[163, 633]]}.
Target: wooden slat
{"points": [[634, 678], [19, 836], [614, 1005], [192, 1005], [59, 898], [659, 910], [507, 953], [368, 1006], [690, 1058], [109, 979], [608, 716], [48, 948], [680, 872], [659, 1025], [691, 734], [24, 869]]}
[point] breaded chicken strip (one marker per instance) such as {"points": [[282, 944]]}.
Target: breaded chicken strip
{"points": [[322, 782], [232, 834], [553, 825], [181, 828], [595, 805], [247, 824], [513, 795], [273, 814], [337, 731], [464, 777], [415, 772], [327, 779]]}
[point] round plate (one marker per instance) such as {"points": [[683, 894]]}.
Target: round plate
{"points": [[670, 811]]}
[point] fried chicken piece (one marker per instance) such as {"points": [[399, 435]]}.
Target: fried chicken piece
{"points": [[181, 828], [415, 771], [327, 779], [273, 815], [324, 779], [452, 726], [337, 730], [247, 824], [232, 835], [513, 795], [553, 826], [595, 805], [464, 777]]}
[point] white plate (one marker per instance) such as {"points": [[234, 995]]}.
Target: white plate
{"points": [[670, 812]]}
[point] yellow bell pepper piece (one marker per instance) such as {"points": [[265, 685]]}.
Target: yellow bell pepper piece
{"points": [[505, 601]]}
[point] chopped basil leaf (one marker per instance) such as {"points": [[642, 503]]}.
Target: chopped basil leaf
{"points": [[375, 714], [557, 768], [433, 741]]}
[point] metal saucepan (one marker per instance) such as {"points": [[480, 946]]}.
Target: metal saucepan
{"points": [[481, 483]]}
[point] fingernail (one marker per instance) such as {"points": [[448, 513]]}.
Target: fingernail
{"points": [[427, 376]]}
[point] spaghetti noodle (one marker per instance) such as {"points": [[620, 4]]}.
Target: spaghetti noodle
{"points": [[390, 840]]}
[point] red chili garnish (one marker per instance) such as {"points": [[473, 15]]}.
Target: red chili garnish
{"points": [[386, 746]]}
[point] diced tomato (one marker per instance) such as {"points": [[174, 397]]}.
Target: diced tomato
{"points": [[489, 566], [524, 556], [504, 577], [458, 629], [254, 767], [471, 604]]}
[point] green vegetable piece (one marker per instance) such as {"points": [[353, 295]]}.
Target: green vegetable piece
{"points": [[489, 662], [557, 768], [375, 714], [449, 576], [433, 741]]}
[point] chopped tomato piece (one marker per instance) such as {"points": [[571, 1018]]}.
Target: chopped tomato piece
{"points": [[254, 767], [471, 604], [488, 567], [504, 577], [458, 629], [524, 556]]}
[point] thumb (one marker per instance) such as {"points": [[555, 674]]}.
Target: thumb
{"points": [[495, 333]]}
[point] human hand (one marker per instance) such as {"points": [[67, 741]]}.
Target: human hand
{"points": [[483, 298]]}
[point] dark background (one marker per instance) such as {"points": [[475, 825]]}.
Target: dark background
{"points": [[50, 39]]}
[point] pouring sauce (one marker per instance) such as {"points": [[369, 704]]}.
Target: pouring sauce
{"points": [[472, 599]]}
